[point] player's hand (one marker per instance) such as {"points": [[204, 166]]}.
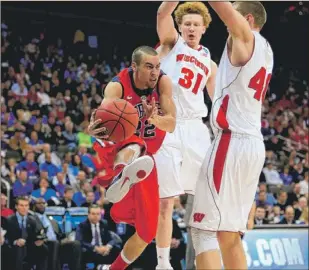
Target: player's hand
{"points": [[94, 130], [150, 109]]}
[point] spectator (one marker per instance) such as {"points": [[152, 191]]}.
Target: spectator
{"points": [[69, 136], [8, 170], [17, 142], [282, 201], [39, 209], [29, 165], [288, 216], [66, 201], [22, 186], [44, 191], [25, 237], [272, 176], [80, 197], [304, 188], [54, 157], [90, 199], [286, 176], [98, 245], [35, 144], [294, 195], [5, 212], [84, 139], [260, 214], [48, 166], [60, 186], [86, 158], [69, 178], [77, 165], [262, 200], [300, 206], [270, 199], [275, 216]]}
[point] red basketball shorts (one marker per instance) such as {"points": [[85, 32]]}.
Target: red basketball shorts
{"points": [[140, 207]]}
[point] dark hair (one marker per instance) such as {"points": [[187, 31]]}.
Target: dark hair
{"points": [[68, 188], [93, 206], [140, 51], [21, 198]]}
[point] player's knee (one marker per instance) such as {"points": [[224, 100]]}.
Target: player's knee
{"points": [[146, 237], [129, 153], [204, 241], [229, 239], [166, 207]]}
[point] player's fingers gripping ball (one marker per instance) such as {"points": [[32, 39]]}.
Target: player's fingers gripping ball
{"points": [[120, 119]]}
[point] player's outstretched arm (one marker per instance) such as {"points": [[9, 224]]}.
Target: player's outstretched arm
{"points": [[167, 121], [112, 91], [240, 31], [165, 24], [211, 82]]}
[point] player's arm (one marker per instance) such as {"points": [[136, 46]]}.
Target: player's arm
{"points": [[211, 82], [165, 24], [167, 121], [112, 91], [240, 31]]}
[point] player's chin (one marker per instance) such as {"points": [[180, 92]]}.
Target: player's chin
{"points": [[153, 83]]}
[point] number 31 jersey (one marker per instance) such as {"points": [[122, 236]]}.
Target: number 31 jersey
{"points": [[189, 70], [240, 91]]}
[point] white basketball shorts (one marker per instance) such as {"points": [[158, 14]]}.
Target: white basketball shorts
{"points": [[227, 183], [180, 157]]}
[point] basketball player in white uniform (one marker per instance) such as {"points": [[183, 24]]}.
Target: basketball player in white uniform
{"points": [[229, 177], [191, 69]]}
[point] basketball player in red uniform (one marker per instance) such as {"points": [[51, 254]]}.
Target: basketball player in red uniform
{"points": [[136, 202]]}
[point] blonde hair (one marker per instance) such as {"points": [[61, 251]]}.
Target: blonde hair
{"points": [[192, 8], [255, 8]]}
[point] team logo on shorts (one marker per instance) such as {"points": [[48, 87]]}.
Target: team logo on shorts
{"points": [[198, 217]]}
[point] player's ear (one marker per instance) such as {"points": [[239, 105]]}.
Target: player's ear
{"points": [[204, 30], [134, 66], [179, 28]]}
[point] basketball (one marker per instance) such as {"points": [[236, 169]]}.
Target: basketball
{"points": [[119, 117]]}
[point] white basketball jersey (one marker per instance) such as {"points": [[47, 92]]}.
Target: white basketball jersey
{"points": [[240, 91], [189, 70]]}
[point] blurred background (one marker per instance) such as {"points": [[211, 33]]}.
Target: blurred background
{"points": [[55, 60]]}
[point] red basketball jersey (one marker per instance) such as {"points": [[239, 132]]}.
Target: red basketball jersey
{"points": [[151, 134]]}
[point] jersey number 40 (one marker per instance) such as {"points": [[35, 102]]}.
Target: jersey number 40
{"points": [[259, 84]]}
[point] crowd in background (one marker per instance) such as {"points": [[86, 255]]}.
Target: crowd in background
{"points": [[48, 93]]}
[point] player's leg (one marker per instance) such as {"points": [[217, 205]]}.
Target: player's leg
{"points": [[195, 147], [240, 183], [190, 253], [130, 167], [168, 162], [140, 208], [205, 218]]}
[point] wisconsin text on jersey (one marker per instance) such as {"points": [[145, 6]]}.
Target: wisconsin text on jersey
{"points": [[192, 59]]}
